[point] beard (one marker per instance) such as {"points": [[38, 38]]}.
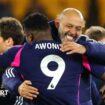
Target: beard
{"points": [[66, 35], [60, 31]]}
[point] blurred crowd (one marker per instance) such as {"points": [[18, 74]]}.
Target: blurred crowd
{"points": [[93, 10]]}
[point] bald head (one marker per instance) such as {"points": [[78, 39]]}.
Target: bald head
{"points": [[71, 12]]}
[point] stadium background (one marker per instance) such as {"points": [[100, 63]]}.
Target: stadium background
{"points": [[93, 10]]}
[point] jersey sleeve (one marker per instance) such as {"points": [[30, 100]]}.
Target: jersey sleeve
{"points": [[12, 78]]}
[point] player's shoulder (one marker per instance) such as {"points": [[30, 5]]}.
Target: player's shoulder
{"points": [[17, 46], [14, 49]]}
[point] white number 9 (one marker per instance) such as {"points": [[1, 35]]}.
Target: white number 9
{"points": [[56, 74]]}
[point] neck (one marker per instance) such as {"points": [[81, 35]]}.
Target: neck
{"points": [[46, 35]]}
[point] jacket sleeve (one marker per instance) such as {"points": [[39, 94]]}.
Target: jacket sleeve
{"points": [[95, 50], [12, 78]]}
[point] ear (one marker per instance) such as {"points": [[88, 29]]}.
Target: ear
{"points": [[29, 38], [9, 42], [56, 23]]}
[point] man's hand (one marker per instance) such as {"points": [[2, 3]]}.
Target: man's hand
{"points": [[27, 91], [72, 47], [102, 91]]}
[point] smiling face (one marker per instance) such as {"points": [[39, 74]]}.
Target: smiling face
{"points": [[71, 24]]}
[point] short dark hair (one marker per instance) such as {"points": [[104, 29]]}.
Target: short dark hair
{"points": [[95, 32], [36, 22], [11, 27]]}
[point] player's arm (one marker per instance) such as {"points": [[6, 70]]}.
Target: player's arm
{"points": [[94, 50], [79, 46], [72, 47], [14, 82], [26, 90], [11, 80]]}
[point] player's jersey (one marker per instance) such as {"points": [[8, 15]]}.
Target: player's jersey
{"points": [[55, 74]]}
